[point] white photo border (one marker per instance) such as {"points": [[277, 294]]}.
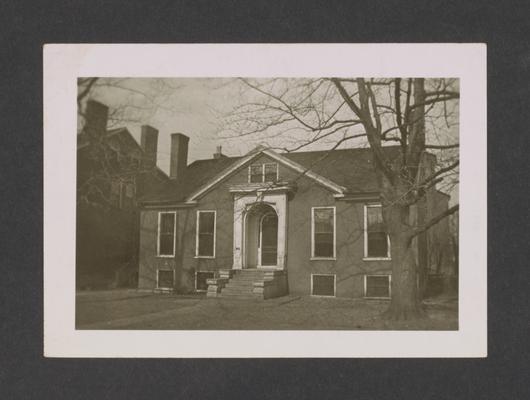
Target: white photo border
{"points": [[63, 63]]}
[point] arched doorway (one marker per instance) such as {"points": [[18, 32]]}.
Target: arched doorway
{"points": [[261, 236]]}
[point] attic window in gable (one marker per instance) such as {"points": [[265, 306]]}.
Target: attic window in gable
{"points": [[260, 173], [255, 173]]}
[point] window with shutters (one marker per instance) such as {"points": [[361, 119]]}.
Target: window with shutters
{"points": [[166, 234], [323, 285], [323, 233], [205, 240], [376, 239], [377, 286]]}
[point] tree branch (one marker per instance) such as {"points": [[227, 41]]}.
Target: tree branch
{"points": [[438, 173], [433, 221], [373, 136], [448, 146]]}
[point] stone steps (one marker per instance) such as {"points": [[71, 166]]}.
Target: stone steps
{"points": [[249, 284]]}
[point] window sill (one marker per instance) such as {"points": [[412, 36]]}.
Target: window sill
{"points": [[164, 256], [377, 259], [377, 298], [323, 259], [323, 295], [207, 257]]}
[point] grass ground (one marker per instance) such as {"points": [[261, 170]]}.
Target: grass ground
{"points": [[130, 309]]}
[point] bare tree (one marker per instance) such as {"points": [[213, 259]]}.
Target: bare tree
{"points": [[419, 116]]}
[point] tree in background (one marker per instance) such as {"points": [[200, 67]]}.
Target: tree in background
{"points": [[111, 171], [114, 163]]}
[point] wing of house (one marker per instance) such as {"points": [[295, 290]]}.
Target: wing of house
{"points": [[113, 169]]}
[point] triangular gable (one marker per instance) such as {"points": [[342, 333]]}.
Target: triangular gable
{"points": [[327, 183], [123, 132]]}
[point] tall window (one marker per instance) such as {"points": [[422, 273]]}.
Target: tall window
{"points": [[205, 243], [323, 237], [259, 173], [166, 234], [376, 240]]}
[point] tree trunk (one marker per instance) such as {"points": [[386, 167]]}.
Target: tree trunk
{"points": [[405, 303]]}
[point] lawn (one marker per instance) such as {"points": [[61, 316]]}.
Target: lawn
{"points": [[131, 309]]}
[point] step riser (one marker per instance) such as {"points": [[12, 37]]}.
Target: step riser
{"points": [[246, 279], [236, 292], [242, 284]]}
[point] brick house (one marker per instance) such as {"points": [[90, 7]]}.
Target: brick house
{"points": [[113, 169], [268, 223]]}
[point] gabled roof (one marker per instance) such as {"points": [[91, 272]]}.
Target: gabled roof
{"points": [[125, 135], [275, 156], [341, 171]]}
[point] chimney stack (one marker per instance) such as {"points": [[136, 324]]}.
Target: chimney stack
{"points": [[149, 143], [217, 155], [179, 155], [96, 116]]}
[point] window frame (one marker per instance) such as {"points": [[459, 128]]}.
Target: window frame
{"points": [[262, 165], [157, 278], [379, 297], [277, 172], [174, 235], [365, 234], [323, 295], [250, 173], [317, 258], [197, 233]]}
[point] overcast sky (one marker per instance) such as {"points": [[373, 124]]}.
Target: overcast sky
{"points": [[195, 107]]}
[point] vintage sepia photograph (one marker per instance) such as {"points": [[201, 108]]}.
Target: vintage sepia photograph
{"points": [[318, 203], [249, 200]]}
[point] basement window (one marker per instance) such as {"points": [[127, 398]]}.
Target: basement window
{"points": [[166, 234], [323, 285], [165, 279], [377, 286], [200, 280], [205, 240], [376, 239]]}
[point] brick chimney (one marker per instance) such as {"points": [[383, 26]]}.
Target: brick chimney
{"points": [[218, 154], [179, 155], [149, 143], [96, 116]]}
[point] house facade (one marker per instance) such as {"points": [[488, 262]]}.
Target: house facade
{"points": [[113, 170], [268, 224]]}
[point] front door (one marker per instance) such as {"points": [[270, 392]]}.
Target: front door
{"points": [[268, 240]]}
